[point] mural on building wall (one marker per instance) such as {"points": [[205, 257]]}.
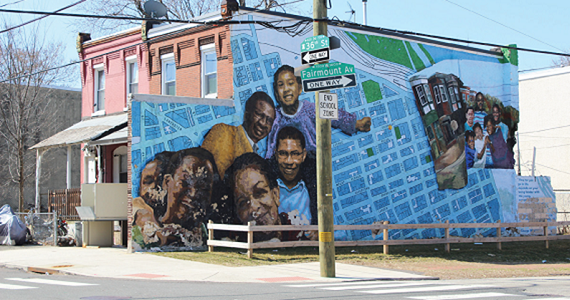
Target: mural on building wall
{"points": [[255, 162]]}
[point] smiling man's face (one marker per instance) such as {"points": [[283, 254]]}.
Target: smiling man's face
{"points": [[290, 155], [258, 123], [255, 200], [288, 89], [191, 189]]}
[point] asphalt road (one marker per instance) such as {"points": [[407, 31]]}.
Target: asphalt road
{"points": [[17, 284]]}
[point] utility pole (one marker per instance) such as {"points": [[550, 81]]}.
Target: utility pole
{"points": [[324, 166]]}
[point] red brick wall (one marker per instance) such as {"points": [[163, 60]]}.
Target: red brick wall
{"points": [[186, 49]]}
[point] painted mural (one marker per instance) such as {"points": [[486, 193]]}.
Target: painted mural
{"points": [[255, 162]]}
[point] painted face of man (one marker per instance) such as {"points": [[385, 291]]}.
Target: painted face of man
{"points": [[190, 187], [149, 188], [254, 199], [471, 142], [290, 155], [288, 89], [496, 115], [259, 121], [470, 115], [480, 103]]}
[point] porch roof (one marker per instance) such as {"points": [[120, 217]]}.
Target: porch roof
{"points": [[85, 131]]}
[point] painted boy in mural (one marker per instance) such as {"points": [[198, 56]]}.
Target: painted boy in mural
{"points": [[227, 142], [150, 188], [480, 110], [255, 193], [189, 181], [501, 154], [470, 116], [481, 142], [470, 152], [497, 120], [301, 114], [150, 205], [297, 181]]}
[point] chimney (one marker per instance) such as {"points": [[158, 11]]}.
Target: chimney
{"points": [[228, 7]]}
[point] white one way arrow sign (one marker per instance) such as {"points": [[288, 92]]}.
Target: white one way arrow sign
{"points": [[329, 83], [314, 56]]}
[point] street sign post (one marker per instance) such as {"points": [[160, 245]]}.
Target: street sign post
{"points": [[315, 49], [328, 106], [328, 76]]}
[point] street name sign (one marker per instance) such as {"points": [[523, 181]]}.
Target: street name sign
{"points": [[328, 106], [328, 77], [315, 49]]}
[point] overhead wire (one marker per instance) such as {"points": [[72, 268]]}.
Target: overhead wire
{"points": [[40, 18], [300, 27], [16, 2], [546, 129], [505, 25]]}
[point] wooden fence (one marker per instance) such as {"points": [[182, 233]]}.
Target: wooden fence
{"points": [[64, 202], [384, 228]]}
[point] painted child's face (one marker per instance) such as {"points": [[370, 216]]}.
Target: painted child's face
{"points": [[471, 142], [478, 133]]}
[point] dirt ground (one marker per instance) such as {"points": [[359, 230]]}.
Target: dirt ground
{"points": [[471, 270]]}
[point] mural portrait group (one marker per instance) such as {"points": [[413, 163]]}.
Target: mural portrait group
{"points": [[465, 129], [228, 179], [412, 144]]}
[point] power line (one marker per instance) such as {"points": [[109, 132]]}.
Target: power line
{"points": [[552, 168], [11, 3], [541, 130], [42, 17], [505, 25], [293, 30], [305, 19], [536, 69]]}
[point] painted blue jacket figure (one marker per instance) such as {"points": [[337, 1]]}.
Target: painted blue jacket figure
{"points": [[301, 114], [297, 182], [470, 152]]}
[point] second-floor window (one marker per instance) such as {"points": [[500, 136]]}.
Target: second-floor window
{"points": [[99, 99], [209, 71], [132, 75], [168, 74]]}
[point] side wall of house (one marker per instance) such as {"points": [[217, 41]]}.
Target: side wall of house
{"points": [[65, 107], [247, 163]]}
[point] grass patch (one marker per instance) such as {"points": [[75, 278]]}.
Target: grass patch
{"points": [[512, 253]]}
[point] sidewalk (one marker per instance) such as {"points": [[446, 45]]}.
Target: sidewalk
{"points": [[117, 263]]}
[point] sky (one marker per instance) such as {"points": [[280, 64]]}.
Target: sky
{"points": [[540, 25]]}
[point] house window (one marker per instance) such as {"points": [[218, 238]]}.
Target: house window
{"points": [[421, 95], [168, 74], [209, 71], [99, 99], [132, 76], [443, 93], [452, 94], [436, 95]]}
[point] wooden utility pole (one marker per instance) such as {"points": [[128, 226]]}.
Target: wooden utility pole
{"points": [[324, 166]]}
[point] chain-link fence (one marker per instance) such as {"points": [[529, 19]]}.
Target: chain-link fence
{"points": [[563, 210], [42, 226]]}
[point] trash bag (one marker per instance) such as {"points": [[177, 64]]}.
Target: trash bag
{"points": [[12, 229]]}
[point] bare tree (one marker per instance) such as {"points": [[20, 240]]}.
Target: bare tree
{"points": [[177, 9], [24, 100], [561, 61]]}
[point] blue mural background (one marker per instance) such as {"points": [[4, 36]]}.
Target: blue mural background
{"points": [[384, 174]]}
